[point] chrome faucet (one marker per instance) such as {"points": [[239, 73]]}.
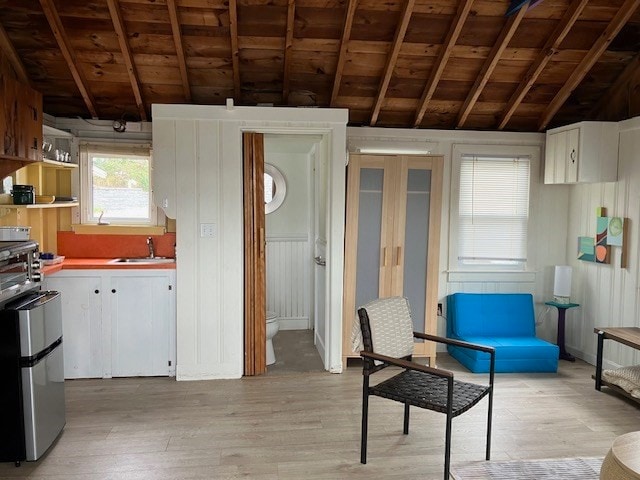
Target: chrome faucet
{"points": [[152, 253]]}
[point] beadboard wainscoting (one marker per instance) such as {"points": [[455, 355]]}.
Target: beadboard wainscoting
{"points": [[288, 280]]}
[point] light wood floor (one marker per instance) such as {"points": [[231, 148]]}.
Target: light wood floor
{"points": [[307, 426]]}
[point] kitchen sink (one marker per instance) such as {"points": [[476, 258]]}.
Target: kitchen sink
{"points": [[144, 260]]}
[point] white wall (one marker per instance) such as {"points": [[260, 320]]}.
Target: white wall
{"points": [[547, 221], [292, 218], [198, 157], [608, 294]]}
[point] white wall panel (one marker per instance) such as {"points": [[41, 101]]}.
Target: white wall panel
{"points": [[608, 294], [207, 154], [548, 216], [288, 278]]}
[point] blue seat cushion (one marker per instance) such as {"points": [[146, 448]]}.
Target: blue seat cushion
{"points": [[490, 314], [513, 354]]}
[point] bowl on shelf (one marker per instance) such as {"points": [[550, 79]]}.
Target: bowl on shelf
{"points": [[45, 198]]}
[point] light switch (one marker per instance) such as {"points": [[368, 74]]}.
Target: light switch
{"points": [[207, 230]]}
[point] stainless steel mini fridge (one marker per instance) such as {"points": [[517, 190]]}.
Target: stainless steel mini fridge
{"points": [[32, 403]]}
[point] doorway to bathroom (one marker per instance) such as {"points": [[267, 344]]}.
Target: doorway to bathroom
{"points": [[295, 184]]}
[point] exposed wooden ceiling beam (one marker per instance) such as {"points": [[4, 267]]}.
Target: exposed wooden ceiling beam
{"points": [[60, 35], [548, 51], [235, 51], [490, 64], [121, 33], [589, 60], [629, 72], [401, 30], [443, 57], [7, 47], [344, 41], [288, 43], [177, 40]]}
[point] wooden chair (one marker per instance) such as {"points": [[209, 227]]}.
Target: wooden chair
{"points": [[417, 385]]}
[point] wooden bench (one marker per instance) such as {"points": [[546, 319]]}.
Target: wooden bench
{"points": [[629, 336]]}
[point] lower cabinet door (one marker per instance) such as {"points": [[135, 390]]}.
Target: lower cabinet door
{"points": [[81, 324], [140, 325]]}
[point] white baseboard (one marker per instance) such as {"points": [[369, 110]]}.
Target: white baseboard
{"points": [[591, 359], [294, 323]]}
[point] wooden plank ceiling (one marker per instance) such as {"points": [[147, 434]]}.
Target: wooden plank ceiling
{"points": [[393, 63]]}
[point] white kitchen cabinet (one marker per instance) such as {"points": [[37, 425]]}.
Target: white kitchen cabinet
{"points": [[117, 323], [585, 152], [82, 323], [141, 315]]}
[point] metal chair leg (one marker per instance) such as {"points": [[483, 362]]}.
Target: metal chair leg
{"points": [[405, 430], [447, 438], [488, 457], [447, 449], [365, 418]]}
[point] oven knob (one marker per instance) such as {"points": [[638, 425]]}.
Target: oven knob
{"points": [[36, 277], [36, 264]]}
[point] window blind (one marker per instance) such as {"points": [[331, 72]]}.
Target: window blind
{"points": [[493, 210]]}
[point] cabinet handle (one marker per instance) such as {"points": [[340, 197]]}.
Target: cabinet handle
{"points": [[384, 256], [96, 291], [398, 253], [572, 155], [113, 290]]}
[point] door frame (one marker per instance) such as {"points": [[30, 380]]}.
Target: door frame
{"points": [[332, 341]]}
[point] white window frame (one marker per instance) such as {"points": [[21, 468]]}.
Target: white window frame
{"points": [[458, 151], [156, 216]]}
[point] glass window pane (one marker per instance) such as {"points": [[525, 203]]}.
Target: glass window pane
{"points": [[369, 226], [493, 210], [416, 244], [120, 187]]}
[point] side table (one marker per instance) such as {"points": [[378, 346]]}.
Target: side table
{"points": [[562, 310], [622, 462]]}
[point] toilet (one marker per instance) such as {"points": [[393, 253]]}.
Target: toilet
{"points": [[272, 328]]}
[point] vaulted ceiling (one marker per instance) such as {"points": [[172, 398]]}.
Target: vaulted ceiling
{"points": [[392, 63]]}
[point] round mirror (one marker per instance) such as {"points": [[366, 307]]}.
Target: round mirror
{"points": [[275, 188]]}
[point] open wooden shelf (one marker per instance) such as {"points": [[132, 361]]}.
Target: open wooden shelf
{"points": [[42, 205], [617, 390], [47, 162]]}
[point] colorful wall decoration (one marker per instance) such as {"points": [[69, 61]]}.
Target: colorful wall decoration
{"points": [[609, 232], [586, 249]]}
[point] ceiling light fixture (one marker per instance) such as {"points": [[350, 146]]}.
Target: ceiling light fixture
{"points": [[119, 125]]}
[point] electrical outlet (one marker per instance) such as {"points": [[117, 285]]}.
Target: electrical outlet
{"points": [[439, 309], [207, 230]]}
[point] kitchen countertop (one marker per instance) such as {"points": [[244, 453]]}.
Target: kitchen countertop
{"points": [[103, 263]]}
